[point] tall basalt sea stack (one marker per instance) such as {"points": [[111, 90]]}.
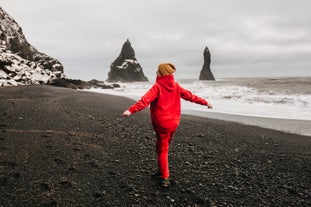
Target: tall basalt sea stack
{"points": [[206, 73], [126, 68], [20, 62]]}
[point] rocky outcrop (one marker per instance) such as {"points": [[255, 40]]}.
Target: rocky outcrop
{"points": [[126, 67], [206, 73], [80, 84], [20, 62]]}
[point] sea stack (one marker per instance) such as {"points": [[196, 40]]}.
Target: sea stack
{"points": [[206, 73], [126, 67], [20, 62]]}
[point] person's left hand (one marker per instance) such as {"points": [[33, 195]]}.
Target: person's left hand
{"points": [[209, 106]]}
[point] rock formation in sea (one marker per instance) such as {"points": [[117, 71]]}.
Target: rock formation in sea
{"points": [[20, 62], [206, 73], [126, 67]]}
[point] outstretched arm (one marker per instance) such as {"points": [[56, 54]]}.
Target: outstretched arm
{"points": [[188, 96], [150, 96]]}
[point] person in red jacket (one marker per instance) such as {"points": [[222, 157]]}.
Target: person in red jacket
{"points": [[164, 100]]}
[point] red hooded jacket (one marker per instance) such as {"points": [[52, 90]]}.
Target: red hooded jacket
{"points": [[164, 99]]}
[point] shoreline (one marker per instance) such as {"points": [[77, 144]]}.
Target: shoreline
{"points": [[295, 126], [283, 103]]}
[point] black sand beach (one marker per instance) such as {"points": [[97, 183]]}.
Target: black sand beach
{"points": [[62, 147]]}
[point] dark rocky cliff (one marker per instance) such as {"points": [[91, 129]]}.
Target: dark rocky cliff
{"points": [[206, 73], [126, 67], [20, 62]]}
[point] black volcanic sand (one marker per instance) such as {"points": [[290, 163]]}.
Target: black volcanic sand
{"points": [[62, 147]]}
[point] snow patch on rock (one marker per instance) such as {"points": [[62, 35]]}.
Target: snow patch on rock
{"points": [[15, 70]]}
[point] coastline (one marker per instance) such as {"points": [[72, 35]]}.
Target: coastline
{"points": [[295, 126], [300, 127], [276, 103], [63, 147]]}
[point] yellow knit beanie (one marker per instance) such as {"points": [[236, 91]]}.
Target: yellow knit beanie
{"points": [[166, 69]]}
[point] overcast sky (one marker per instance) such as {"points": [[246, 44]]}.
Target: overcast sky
{"points": [[245, 37]]}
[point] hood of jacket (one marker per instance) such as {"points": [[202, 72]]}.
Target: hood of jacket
{"points": [[167, 82]]}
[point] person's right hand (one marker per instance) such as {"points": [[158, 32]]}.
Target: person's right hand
{"points": [[126, 113]]}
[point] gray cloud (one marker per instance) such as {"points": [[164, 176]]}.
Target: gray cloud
{"points": [[246, 38]]}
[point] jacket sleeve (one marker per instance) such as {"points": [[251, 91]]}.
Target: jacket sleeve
{"points": [[145, 100], [188, 96]]}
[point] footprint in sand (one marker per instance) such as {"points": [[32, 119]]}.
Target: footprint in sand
{"points": [[8, 164], [49, 203], [44, 186], [76, 149], [66, 183], [59, 161]]}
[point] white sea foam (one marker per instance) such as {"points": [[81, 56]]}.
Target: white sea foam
{"points": [[234, 97]]}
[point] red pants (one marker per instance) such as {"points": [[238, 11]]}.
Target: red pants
{"points": [[162, 146]]}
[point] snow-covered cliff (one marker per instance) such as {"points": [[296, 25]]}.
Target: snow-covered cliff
{"points": [[20, 62]]}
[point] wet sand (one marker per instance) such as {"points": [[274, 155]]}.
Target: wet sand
{"points": [[62, 147], [300, 127]]}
